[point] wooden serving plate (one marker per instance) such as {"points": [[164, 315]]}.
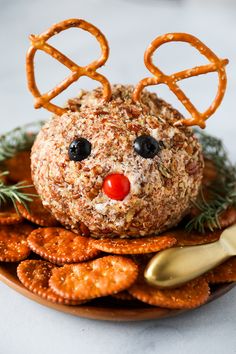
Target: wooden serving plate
{"points": [[103, 309]]}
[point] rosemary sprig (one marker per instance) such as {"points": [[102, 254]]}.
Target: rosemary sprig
{"points": [[19, 139], [222, 190], [14, 193]]}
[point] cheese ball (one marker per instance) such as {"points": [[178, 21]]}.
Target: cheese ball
{"points": [[120, 168]]}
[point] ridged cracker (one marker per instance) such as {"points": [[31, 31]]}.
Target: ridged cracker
{"points": [[34, 275], [209, 172], [134, 246], [124, 296], [8, 215], [37, 214], [60, 246], [13, 242], [228, 218], [192, 238], [224, 273], [19, 167], [190, 295], [101, 277]]}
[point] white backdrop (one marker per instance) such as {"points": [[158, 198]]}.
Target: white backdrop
{"points": [[28, 328]]}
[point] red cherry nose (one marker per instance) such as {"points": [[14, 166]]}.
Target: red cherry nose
{"points": [[116, 186]]}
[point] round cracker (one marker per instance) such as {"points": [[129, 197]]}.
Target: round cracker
{"points": [[13, 242], [8, 215], [190, 295], [19, 167], [209, 172], [227, 218], [101, 277], [124, 296], [60, 246], [134, 246], [224, 273], [37, 214], [192, 238], [35, 275]]}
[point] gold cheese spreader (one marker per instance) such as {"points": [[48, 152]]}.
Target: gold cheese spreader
{"points": [[177, 265]]}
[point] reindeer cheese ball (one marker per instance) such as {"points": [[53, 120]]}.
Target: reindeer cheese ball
{"points": [[118, 159], [118, 167]]}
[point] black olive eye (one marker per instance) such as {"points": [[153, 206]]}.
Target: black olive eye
{"points": [[79, 149], [146, 146]]}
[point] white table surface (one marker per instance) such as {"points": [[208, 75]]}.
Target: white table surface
{"points": [[27, 327]]}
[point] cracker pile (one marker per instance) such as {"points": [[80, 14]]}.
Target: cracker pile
{"points": [[72, 269]]}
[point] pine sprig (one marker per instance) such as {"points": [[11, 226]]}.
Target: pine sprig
{"points": [[222, 190], [19, 139]]}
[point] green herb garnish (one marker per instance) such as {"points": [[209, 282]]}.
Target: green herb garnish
{"points": [[19, 139], [14, 193], [222, 190]]}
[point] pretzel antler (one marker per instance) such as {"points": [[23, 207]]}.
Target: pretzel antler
{"points": [[216, 64], [40, 43]]}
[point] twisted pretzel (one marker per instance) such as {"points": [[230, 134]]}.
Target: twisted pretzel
{"points": [[216, 64], [39, 42]]}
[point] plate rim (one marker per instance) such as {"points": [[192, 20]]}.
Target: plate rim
{"points": [[118, 314]]}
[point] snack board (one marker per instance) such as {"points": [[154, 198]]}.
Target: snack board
{"points": [[115, 176]]}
